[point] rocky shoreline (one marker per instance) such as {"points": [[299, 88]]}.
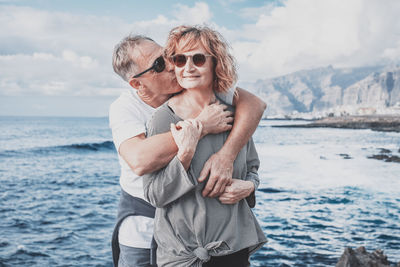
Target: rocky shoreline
{"points": [[386, 155], [387, 123], [360, 257]]}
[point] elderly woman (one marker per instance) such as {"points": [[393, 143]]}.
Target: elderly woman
{"points": [[192, 230]]}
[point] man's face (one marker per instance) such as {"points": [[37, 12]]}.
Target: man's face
{"points": [[163, 83]]}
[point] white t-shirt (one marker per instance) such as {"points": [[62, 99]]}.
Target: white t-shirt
{"points": [[128, 116]]}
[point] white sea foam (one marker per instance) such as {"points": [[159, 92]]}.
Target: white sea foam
{"points": [[327, 158]]}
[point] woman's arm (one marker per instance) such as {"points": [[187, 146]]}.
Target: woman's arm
{"points": [[219, 167], [173, 181], [168, 184], [186, 135]]}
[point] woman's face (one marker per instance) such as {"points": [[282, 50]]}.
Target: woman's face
{"points": [[192, 75]]}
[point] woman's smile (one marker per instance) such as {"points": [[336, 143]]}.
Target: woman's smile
{"points": [[191, 76]]}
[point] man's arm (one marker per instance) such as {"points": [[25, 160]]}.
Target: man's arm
{"points": [[249, 110], [146, 155]]}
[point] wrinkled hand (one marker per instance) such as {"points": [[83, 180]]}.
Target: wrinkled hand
{"points": [[236, 191], [220, 169], [186, 135], [215, 118]]}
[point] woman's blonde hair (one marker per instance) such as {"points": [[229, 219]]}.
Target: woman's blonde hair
{"points": [[182, 37]]}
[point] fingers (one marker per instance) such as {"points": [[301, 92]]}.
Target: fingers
{"points": [[184, 123], [226, 198], [209, 186], [204, 172], [228, 120], [218, 104], [221, 190], [222, 105], [181, 124], [215, 191], [219, 187], [227, 127], [228, 190], [196, 124], [173, 129], [200, 126], [228, 113]]}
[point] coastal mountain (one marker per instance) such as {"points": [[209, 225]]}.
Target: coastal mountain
{"points": [[329, 91]]}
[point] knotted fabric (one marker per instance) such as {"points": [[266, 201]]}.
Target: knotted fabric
{"points": [[203, 254]]}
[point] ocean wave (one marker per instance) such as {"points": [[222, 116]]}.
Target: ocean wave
{"points": [[22, 250], [106, 145], [270, 190], [83, 147]]}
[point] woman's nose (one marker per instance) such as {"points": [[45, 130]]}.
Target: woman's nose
{"points": [[189, 64]]}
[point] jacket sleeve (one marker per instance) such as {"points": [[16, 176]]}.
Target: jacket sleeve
{"points": [[173, 181], [168, 184], [253, 163]]}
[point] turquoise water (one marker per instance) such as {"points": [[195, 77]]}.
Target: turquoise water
{"points": [[319, 193]]}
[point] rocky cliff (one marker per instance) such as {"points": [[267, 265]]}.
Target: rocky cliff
{"points": [[328, 91]]}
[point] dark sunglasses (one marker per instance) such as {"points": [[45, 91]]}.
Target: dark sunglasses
{"points": [[158, 66], [198, 59]]}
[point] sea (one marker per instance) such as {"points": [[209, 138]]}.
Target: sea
{"points": [[320, 192]]}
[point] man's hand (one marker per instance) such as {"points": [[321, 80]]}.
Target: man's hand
{"points": [[186, 135], [236, 191], [220, 168], [215, 119]]}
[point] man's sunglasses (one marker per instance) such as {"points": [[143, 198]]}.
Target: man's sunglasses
{"points": [[181, 59], [158, 66]]}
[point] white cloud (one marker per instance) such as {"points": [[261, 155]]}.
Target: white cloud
{"points": [[159, 27], [391, 53], [55, 53], [227, 3], [84, 62], [58, 53], [312, 33], [254, 12], [198, 14], [50, 74]]}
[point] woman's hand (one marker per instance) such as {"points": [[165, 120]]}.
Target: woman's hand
{"points": [[236, 191], [186, 135]]}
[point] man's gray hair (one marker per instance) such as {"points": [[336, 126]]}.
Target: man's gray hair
{"points": [[122, 60]]}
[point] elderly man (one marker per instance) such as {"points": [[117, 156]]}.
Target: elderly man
{"points": [[139, 61]]}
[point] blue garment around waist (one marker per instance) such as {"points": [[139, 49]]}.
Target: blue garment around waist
{"points": [[131, 206]]}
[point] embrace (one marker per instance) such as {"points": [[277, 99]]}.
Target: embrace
{"points": [[188, 177]]}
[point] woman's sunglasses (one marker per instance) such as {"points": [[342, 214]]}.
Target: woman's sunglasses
{"points": [[181, 59], [158, 66]]}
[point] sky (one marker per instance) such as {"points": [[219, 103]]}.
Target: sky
{"points": [[55, 56]]}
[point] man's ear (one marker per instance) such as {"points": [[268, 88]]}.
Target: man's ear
{"points": [[135, 83]]}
